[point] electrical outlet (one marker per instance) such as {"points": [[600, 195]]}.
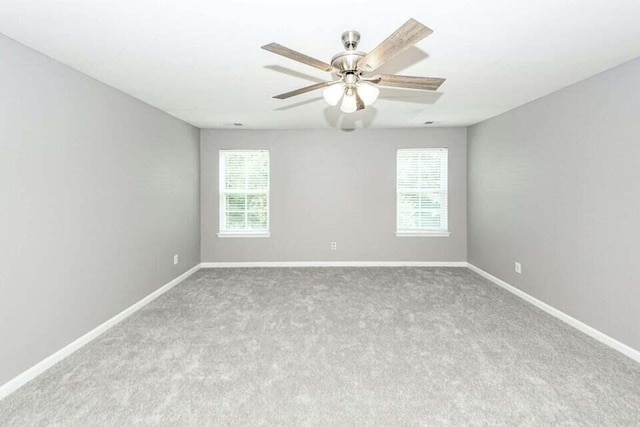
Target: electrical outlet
{"points": [[518, 268], [334, 246], [175, 260]]}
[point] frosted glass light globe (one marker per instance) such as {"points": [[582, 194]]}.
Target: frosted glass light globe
{"points": [[333, 93], [368, 93], [349, 103]]}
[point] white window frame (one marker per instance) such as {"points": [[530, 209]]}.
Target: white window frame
{"points": [[222, 191], [421, 232]]}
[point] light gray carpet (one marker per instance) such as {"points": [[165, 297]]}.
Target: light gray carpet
{"points": [[335, 346]]}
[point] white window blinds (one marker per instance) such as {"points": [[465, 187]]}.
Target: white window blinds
{"points": [[422, 191], [244, 192]]}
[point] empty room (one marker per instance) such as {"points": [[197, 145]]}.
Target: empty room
{"points": [[419, 213]]}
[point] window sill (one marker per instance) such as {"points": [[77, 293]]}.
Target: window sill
{"points": [[235, 234], [423, 233]]}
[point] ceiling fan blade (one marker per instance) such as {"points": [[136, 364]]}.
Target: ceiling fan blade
{"points": [[306, 89], [409, 82], [410, 33], [359, 102], [278, 49]]}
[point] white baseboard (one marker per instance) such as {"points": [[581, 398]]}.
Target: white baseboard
{"points": [[37, 369], [592, 332], [334, 264]]}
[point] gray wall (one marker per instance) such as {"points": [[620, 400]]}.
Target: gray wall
{"points": [[97, 192], [334, 186], [555, 184]]}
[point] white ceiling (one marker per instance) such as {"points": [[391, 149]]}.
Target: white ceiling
{"points": [[201, 60]]}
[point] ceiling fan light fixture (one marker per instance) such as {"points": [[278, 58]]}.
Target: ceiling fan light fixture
{"points": [[350, 69], [333, 93], [368, 93], [349, 104]]}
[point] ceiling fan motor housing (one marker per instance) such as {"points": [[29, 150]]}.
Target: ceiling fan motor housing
{"points": [[347, 61]]}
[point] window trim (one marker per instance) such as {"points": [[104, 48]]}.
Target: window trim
{"points": [[221, 201], [422, 232], [232, 234]]}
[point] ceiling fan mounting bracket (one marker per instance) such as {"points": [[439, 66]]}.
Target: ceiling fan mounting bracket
{"points": [[350, 40]]}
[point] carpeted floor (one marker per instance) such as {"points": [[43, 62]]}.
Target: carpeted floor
{"points": [[335, 346]]}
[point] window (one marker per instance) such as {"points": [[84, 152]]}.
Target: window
{"points": [[244, 193], [422, 192]]}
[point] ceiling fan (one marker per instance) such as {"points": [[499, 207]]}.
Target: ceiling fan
{"points": [[354, 81]]}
